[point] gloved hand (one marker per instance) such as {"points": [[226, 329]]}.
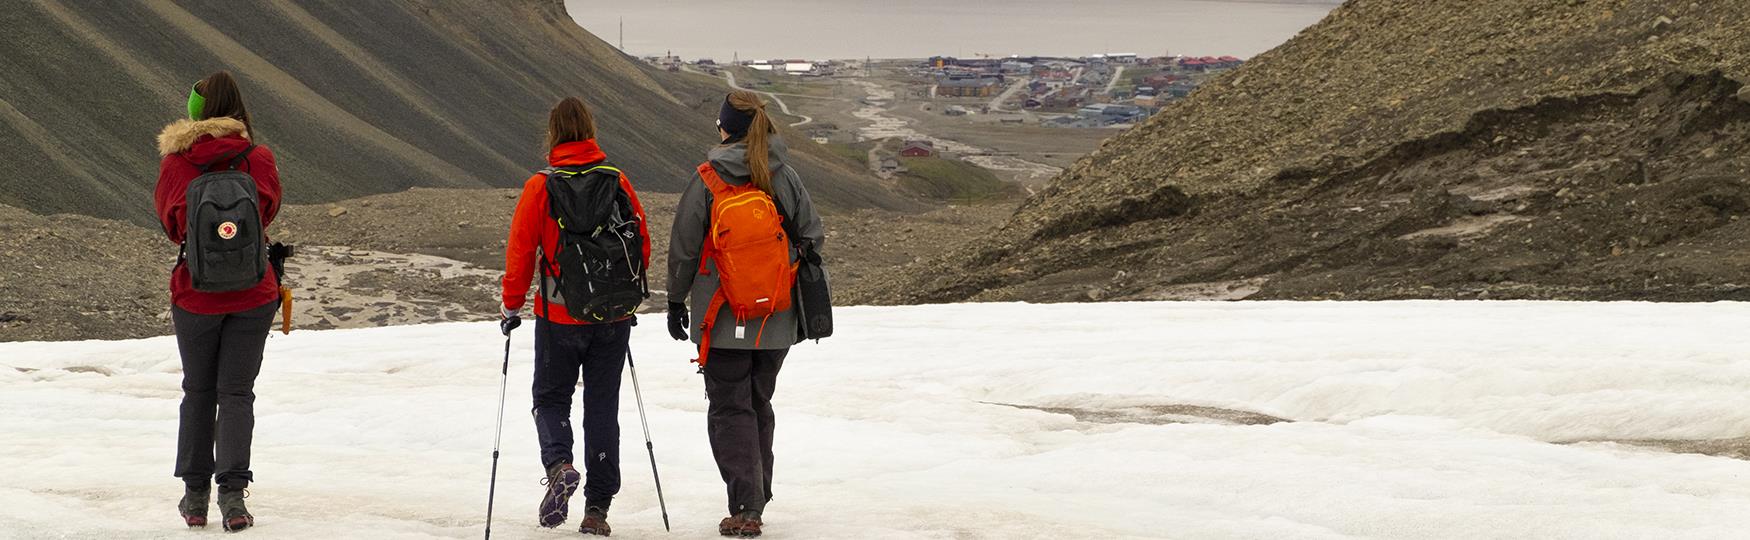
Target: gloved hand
{"points": [[677, 321], [509, 320]]}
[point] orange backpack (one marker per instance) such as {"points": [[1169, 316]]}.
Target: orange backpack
{"points": [[752, 255]]}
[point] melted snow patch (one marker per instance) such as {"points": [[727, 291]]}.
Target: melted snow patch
{"points": [[1159, 414]]}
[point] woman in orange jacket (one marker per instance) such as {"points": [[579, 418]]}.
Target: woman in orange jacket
{"points": [[568, 346]]}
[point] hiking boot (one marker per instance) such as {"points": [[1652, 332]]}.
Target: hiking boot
{"points": [[231, 508], [562, 481], [745, 525], [595, 521], [194, 505]]}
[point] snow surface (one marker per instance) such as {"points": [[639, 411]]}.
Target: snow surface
{"points": [[1409, 420]]}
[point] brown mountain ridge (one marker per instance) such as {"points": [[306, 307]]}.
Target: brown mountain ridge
{"points": [[356, 98], [1582, 149]]}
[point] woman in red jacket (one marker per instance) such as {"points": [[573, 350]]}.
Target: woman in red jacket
{"points": [[566, 347], [219, 335]]}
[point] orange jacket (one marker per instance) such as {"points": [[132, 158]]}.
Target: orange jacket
{"points": [[533, 227]]}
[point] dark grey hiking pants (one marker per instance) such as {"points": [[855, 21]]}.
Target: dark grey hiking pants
{"points": [[739, 384], [221, 355]]}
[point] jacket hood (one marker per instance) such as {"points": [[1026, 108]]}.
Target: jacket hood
{"points": [[575, 153], [181, 135], [731, 159]]}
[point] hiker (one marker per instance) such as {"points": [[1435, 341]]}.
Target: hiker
{"points": [[732, 258], [223, 292], [580, 226]]}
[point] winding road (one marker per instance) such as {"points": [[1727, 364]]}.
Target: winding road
{"points": [[996, 103], [730, 76], [1113, 83]]}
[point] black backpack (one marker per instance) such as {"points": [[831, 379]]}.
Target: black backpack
{"points": [[812, 294], [600, 252], [225, 246]]}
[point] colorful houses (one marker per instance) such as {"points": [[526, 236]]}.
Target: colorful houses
{"points": [[1209, 63], [968, 87]]}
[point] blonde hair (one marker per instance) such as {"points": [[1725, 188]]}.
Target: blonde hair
{"points": [[759, 137]]}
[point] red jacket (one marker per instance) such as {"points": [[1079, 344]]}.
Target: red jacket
{"points": [[533, 227], [187, 145]]}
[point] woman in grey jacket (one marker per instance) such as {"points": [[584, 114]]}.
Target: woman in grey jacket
{"points": [[744, 359]]}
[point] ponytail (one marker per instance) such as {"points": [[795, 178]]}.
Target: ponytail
{"points": [[759, 137]]}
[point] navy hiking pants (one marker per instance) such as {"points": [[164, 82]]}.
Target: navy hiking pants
{"points": [[597, 354]]}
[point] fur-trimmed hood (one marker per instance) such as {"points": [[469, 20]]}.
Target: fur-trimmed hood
{"points": [[180, 135]]}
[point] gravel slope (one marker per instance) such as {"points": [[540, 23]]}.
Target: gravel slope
{"points": [[1406, 149]]}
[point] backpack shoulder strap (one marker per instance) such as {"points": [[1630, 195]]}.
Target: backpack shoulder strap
{"points": [[233, 162], [604, 167], [712, 181], [786, 222], [575, 170]]}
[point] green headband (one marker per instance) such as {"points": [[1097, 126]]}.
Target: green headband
{"points": [[196, 103]]}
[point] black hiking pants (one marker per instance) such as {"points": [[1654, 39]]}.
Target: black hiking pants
{"points": [[739, 384], [221, 355], [597, 353]]}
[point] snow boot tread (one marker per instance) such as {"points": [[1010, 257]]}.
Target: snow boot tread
{"points": [[236, 514], [595, 521], [193, 507], [743, 525], [562, 482]]}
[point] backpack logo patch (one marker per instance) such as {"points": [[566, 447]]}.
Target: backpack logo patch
{"points": [[228, 230]]}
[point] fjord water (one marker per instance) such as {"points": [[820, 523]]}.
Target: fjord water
{"points": [[820, 29]]}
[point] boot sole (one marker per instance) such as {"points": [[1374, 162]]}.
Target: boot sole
{"points": [[194, 522], [236, 527], [564, 509]]}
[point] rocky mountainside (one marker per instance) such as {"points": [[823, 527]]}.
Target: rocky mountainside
{"points": [[357, 98], [1577, 149], [363, 263]]}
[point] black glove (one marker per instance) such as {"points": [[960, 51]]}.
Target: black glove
{"points": [[677, 321], [509, 321]]}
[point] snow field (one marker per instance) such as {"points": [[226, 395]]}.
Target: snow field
{"points": [[1407, 420]]}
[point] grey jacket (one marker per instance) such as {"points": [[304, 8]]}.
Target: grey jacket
{"points": [[687, 241]]}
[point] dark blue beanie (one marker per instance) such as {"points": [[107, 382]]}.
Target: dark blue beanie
{"points": [[734, 121]]}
